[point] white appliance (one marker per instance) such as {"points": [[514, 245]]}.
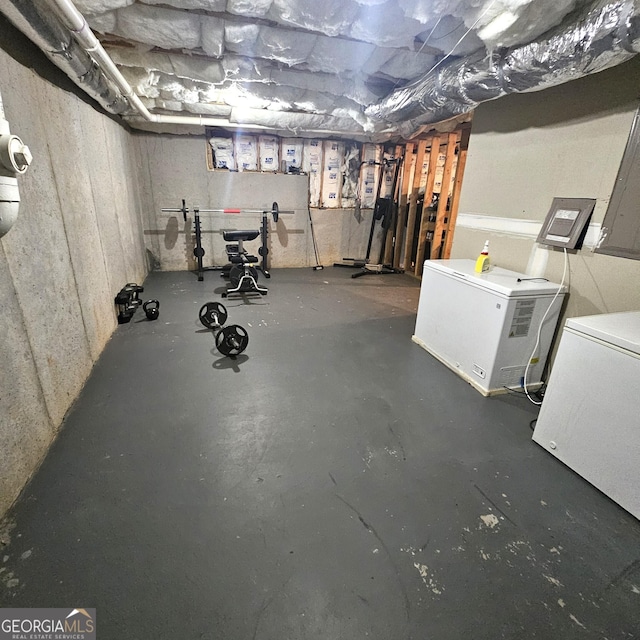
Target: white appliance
{"points": [[590, 415], [483, 326]]}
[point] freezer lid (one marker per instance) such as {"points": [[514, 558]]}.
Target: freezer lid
{"points": [[497, 280], [619, 329]]}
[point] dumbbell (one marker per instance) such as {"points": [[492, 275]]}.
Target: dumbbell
{"points": [[231, 340], [127, 301], [133, 290]]}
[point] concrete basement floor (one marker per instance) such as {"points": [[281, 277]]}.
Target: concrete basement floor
{"points": [[334, 481]]}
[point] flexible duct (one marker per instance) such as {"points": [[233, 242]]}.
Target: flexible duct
{"points": [[599, 36]]}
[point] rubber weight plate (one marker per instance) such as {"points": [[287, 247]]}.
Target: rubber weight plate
{"points": [[232, 340], [213, 314], [236, 274]]}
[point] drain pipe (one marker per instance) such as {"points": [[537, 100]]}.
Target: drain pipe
{"points": [[40, 24], [75, 22]]}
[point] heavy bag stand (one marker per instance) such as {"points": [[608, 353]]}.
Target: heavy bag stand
{"points": [[384, 210], [198, 250]]}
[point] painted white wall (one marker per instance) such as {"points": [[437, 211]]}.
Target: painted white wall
{"points": [[527, 149]]}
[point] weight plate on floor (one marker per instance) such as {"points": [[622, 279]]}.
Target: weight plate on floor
{"points": [[232, 340], [213, 314], [235, 273]]}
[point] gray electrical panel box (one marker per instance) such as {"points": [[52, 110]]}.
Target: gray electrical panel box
{"points": [[567, 222]]}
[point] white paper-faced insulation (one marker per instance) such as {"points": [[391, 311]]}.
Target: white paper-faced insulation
{"points": [[312, 165], [369, 173], [269, 149], [246, 152], [350, 170], [223, 157], [331, 175], [290, 154], [389, 170]]}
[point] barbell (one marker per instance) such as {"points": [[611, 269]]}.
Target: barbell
{"points": [[231, 340], [184, 210]]}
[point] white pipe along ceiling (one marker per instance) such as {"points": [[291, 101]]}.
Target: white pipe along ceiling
{"points": [[372, 70]]}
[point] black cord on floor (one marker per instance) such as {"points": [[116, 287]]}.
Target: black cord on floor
{"points": [[538, 393], [515, 392]]}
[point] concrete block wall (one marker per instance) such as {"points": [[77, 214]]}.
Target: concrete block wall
{"points": [[77, 241], [174, 167]]}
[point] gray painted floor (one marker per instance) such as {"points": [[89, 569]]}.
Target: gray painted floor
{"points": [[334, 481]]}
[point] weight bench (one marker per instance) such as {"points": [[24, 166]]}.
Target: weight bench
{"points": [[243, 273]]}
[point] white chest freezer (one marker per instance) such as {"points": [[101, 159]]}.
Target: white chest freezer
{"points": [[484, 326], [590, 415]]}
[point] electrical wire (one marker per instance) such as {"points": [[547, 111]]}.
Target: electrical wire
{"points": [[464, 35], [544, 317], [467, 32], [424, 44]]}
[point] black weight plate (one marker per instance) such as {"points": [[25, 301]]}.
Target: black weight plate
{"points": [[247, 285], [275, 211], [232, 340], [213, 314], [235, 274], [198, 252]]}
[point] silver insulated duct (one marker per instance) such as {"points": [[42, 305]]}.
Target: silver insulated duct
{"points": [[591, 39]]}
